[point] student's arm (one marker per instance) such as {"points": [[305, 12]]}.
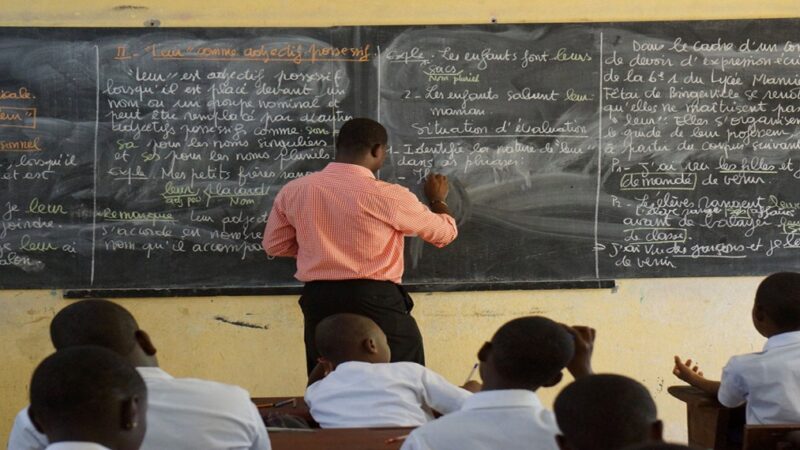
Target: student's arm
{"points": [[692, 374], [280, 237], [472, 386], [414, 441], [581, 363], [732, 387], [320, 371], [439, 394], [260, 439]]}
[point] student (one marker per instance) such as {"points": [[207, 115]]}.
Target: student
{"points": [[355, 385], [88, 398], [606, 412], [524, 355], [769, 381], [184, 413]]}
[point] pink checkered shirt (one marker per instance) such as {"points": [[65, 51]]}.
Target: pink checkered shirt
{"points": [[343, 224]]}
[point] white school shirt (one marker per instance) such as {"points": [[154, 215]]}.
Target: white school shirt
{"points": [[360, 394], [75, 445], [768, 381], [182, 413], [509, 419]]}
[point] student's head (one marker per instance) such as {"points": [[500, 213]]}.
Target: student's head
{"points": [[104, 324], [362, 141], [777, 305], [89, 394], [605, 412], [526, 353], [351, 337]]}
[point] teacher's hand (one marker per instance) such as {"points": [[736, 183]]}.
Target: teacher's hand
{"points": [[436, 187]]}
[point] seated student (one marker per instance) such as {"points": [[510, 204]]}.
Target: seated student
{"points": [[184, 413], [524, 355], [88, 398], [769, 381], [355, 385], [606, 412]]}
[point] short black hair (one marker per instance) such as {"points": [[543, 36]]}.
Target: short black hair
{"points": [[531, 350], [778, 296], [358, 136], [605, 412], [79, 385], [337, 336], [94, 322]]}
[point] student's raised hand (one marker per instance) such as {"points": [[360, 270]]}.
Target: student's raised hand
{"points": [[581, 363], [687, 371], [690, 373]]}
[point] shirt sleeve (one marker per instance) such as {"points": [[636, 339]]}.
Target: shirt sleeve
{"points": [[414, 441], [280, 238], [440, 394], [732, 390], [260, 438], [413, 218], [24, 436]]}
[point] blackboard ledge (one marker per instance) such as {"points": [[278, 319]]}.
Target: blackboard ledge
{"points": [[297, 289]]}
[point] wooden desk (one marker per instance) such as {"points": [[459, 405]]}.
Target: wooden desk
{"points": [[771, 437], [299, 410], [710, 424], [337, 439]]}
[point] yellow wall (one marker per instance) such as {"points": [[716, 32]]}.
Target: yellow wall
{"points": [[640, 325]]}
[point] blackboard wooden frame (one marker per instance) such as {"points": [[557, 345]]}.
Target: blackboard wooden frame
{"points": [[296, 290]]}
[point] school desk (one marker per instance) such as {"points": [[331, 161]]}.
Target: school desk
{"points": [[710, 424], [266, 407], [771, 437], [337, 439]]}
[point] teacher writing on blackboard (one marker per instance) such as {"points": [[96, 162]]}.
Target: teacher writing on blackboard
{"points": [[346, 229]]}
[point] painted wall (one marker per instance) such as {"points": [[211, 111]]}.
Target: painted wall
{"points": [[640, 325]]}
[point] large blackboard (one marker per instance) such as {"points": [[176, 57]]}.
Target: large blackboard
{"points": [[149, 158]]}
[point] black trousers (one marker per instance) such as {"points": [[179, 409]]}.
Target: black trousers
{"points": [[387, 303]]}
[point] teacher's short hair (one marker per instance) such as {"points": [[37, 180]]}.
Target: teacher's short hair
{"points": [[358, 136]]}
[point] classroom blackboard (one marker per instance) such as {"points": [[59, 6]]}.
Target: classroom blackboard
{"points": [[149, 158]]}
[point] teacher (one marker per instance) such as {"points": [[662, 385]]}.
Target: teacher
{"points": [[346, 229]]}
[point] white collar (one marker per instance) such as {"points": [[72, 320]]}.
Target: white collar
{"points": [[76, 445], [502, 398], [153, 373], [783, 339]]}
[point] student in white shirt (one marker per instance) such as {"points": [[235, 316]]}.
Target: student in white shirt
{"points": [[769, 381], [184, 413], [88, 398], [524, 355], [355, 385], [606, 412]]}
